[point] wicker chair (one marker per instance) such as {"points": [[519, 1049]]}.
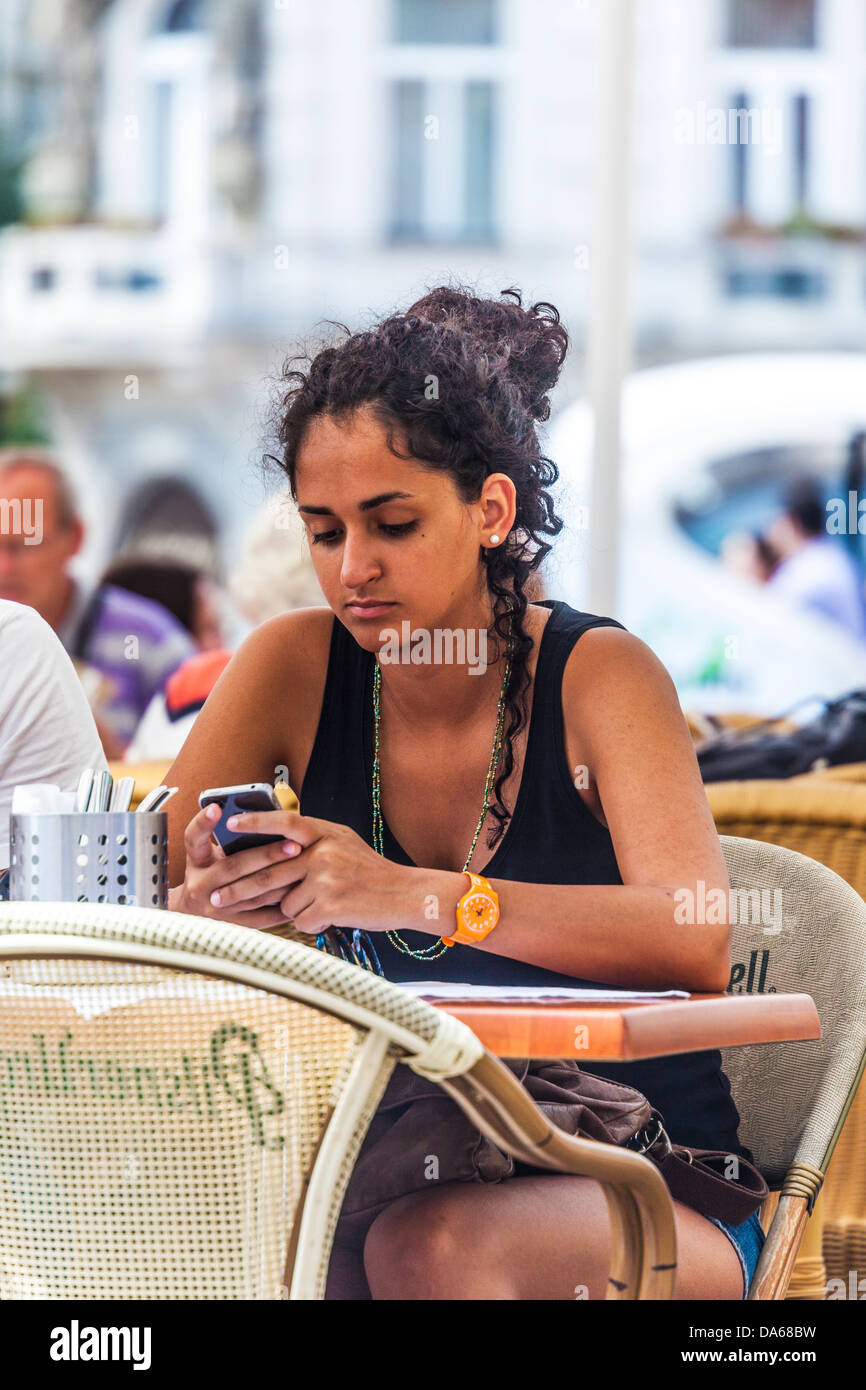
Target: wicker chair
{"points": [[182, 1102], [837, 772], [826, 820]]}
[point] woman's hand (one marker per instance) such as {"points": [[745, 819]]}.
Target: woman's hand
{"points": [[208, 870], [322, 874]]}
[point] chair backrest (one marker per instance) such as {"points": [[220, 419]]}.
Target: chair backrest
{"points": [[169, 1090], [814, 815], [799, 928]]}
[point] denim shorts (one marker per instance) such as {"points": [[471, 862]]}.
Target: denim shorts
{"points": [[747, 1239]]}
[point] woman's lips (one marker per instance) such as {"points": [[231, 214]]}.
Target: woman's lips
{"points": [[370, 611]]}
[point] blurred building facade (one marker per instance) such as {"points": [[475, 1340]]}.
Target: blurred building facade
{"points": [[187, 183]]}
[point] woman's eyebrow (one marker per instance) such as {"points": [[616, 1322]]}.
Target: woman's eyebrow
{"points": [[367, 505]]}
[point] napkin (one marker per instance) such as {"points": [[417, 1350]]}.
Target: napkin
{"points": [[32, 798]]}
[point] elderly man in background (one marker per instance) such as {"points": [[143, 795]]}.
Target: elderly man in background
{"points": [[124, 646]]}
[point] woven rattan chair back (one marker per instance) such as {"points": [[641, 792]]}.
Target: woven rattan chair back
{"points": [[823, 815], [800, 928], [159, 1130], [160, 1124]]}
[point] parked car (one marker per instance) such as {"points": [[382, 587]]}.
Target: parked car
{"points": [[707, 449]]}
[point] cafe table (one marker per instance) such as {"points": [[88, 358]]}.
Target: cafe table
{"points": [[625, 1031]]}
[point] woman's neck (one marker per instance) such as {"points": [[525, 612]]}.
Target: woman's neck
{"points": [[444, 676]]}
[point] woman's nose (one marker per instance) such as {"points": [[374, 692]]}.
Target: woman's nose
{"points": [[359, 562]]}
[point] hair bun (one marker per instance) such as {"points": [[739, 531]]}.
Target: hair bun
{"points": [[529, 343]]}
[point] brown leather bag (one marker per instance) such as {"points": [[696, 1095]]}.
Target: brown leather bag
{"points": [[419, 1137]]}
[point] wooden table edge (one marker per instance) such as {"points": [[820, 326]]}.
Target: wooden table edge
{"points": [[636, 1030]]}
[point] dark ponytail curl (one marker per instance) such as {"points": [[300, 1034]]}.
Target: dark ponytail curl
{"points": [[463, 381]]}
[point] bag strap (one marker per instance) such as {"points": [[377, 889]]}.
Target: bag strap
{"points": [[735, 737], [715, 1183], [697, 1178]]}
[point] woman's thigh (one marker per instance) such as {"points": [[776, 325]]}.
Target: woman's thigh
{"points": [[544, 1237]]}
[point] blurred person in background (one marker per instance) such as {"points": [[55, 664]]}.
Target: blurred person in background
{"points": [[815, 570], [274, 575], [47, 731], [185, 591], [749, 553], [124, 646]]}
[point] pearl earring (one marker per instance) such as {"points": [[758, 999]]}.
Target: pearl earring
{"points": [[494, 540]]}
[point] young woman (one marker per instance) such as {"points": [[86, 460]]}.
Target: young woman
{"points": [[559, 769]]}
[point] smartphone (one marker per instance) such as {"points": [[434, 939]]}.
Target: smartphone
{"points": [[253, 796]]}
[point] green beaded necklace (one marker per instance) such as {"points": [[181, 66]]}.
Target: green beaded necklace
{"points": [[438, 948]]}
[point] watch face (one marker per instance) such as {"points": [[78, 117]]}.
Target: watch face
{"points": [[478, 913]]}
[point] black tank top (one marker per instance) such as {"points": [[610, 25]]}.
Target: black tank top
{"points": [[552, 837]]}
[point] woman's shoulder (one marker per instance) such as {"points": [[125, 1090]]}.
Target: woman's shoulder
{"points": [[290, 645], [613, 680], [608, 653], [282, 664]]}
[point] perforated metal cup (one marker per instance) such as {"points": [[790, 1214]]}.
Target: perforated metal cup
{"points": [[95, 857]]}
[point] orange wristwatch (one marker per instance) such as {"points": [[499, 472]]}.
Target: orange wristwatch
{"points": [[477, 912]]}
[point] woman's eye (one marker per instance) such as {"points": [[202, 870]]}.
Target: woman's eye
{"points": [[393, 529]]}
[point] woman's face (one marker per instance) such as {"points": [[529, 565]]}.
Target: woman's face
{"points": [[390, 530]]}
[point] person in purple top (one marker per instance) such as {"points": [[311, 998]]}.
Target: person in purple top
{"points": [[124, 646]]}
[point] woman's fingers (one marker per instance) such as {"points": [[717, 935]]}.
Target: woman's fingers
{"points": [[245, 862], [197, 840], [267, 870], [305, 829]]}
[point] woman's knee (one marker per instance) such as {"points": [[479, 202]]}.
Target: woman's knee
{"points": [[422, 1246]]}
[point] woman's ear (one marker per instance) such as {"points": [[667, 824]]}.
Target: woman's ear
{"points": [[498, 508]]}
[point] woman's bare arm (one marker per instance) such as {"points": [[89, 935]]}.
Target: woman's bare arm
{"points": [[620, 706]]}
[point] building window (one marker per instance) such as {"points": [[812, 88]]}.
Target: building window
{"points": [[797, 150], [408, 180], [161, 124], [445, 21], [183, 16], [43, 277], [771, 24], [774, 282], [478, 191], [443, 160], [801, 151], [739, 152]]}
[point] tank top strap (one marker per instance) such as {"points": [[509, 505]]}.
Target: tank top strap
{"points": [[562, 629], [335, 782]]}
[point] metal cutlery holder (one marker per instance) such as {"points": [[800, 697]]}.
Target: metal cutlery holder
{"points": [[90, 857]]}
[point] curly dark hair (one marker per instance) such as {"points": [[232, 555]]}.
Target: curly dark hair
{"points": [[462, 380]]}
